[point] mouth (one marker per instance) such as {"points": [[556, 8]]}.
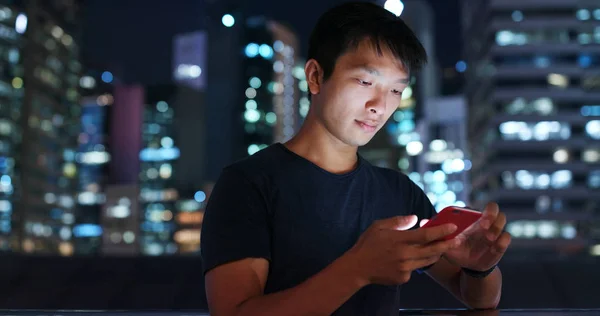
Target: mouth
{"points": [[367, 126]]}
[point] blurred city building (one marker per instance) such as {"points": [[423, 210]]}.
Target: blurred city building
{"points": [[533, 91], [442, 159], [255, 91], [150, 168], [158, 157], [92, 158], [39, 124]]}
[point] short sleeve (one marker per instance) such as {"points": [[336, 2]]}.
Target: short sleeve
{"points": [[235, 224]]}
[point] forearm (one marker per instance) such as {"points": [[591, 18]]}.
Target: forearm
{"points": [[321, 294], [481, 293], [475, 293]]}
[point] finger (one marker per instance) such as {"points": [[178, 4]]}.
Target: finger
{"points": [[489, 215], [429, 234], [397, 222], [421, 263], [415, 264], [497, 227], [423, 222], [497, 250], [502, 243], [437, 248]]}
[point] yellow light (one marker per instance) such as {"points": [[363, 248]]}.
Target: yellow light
{"points": [[65, 249], [17, 83], [69, 170]]}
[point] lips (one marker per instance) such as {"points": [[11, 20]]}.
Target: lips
{"points": [[368, 126]]}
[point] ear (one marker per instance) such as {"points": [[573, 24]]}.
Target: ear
{"points": [[314, 76]]}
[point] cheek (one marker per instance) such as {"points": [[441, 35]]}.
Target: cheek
{"points": [[392, 106]]}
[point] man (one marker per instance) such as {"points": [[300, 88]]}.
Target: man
{"points": [[309, 227]]}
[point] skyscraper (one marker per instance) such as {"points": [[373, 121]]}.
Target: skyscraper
{"points": [[254, 88], [92, 159], [533, 95], [443, 161], [11, 108], [271, 96], [42, 102], [158, 157], [120, 217]]}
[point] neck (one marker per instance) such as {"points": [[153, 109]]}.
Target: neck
{"points": [[314, 143]]}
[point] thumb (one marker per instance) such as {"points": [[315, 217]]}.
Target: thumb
{"points": [[399, 222]]}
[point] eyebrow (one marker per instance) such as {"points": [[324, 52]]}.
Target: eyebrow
{"points": [[375, 72]]}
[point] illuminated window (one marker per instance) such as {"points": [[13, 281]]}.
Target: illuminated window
{"points": [[541, 229], [591, 155], [529, 180], [592, 128], [540, 131], [583, 14], [508, 37], [594, 179]]}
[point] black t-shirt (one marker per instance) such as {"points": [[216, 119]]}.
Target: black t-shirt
{"points": [[279, 206]]}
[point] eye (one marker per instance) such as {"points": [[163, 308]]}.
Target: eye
{"points": [[363, 83], [397, 92]]}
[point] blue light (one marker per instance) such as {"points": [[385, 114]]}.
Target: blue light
{"points": [[5, 180], [585, 61], [252, 50], [265, 51], [541, 61], [406, 126], [200, 196], [228, 20], [159, 154], [392, 128], [56, 213], [107, 77], [590, 110], [87, 230], [461, 66]]}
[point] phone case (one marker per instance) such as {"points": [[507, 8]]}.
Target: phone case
{"points": [[459, 216]]}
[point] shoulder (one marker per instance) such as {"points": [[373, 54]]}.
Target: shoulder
{"points": [[262, 161], [257, 167]]}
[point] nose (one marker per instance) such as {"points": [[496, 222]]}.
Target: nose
{"points": [[377, 104]]}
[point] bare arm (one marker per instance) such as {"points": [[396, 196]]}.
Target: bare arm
{"points": [[382, 255], [475, 293], [237, 289]]}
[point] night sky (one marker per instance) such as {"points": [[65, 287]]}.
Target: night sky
{"points": [[135, 35]]}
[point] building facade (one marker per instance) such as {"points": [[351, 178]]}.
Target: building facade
{"points": [[533, 92], [40, 91]]}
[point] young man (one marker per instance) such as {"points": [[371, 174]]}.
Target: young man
{"points": [[309, 227]]}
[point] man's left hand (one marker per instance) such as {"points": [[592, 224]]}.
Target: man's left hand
{"points": [[484, 243]]}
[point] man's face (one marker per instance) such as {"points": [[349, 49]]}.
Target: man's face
{"points": [[361, 94]]}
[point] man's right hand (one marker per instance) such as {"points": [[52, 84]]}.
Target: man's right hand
{"points": [[387, 252]]}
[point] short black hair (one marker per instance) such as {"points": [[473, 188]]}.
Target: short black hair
{"points": [[343, 27]]}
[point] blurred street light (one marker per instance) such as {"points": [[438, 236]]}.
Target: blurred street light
{"points": [[394, 6]]}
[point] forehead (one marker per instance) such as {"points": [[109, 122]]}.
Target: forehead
{"points": [[368, 53]]}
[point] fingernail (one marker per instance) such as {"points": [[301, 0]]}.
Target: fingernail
{"points": [[452, 228], [491, 237]]}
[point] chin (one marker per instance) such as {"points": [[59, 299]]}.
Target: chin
{"points": [[357, 142]]}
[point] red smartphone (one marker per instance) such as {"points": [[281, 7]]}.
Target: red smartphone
{"points": [[459, 216]]}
